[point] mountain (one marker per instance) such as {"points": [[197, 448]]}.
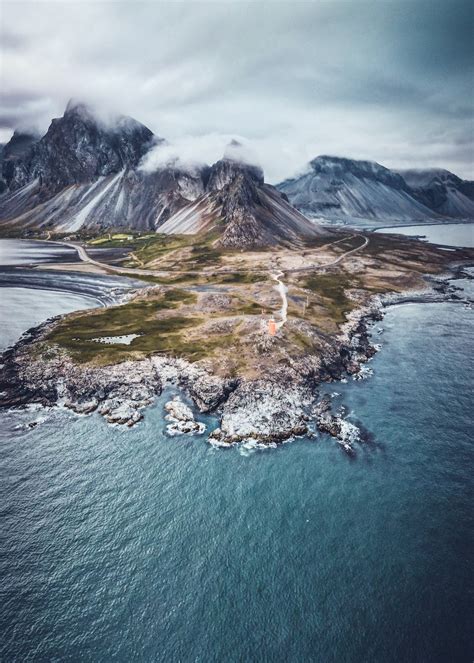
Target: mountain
{"points": [[84, 173], [347, 190], [244, 210], [442, 191], [12, 156]]}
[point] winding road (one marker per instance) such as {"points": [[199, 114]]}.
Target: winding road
{"points": [[85, 257], [282, 289]]}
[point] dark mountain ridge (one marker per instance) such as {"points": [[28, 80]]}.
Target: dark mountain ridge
{"points": [[351, 191], [84, 173], [247, 212]]}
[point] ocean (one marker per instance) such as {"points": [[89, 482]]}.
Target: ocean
{"points": [[128, 545], [449, 234]]}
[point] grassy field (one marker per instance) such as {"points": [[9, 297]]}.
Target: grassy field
{"points": [[216, 314], [167, 322], [330, 289], [158, 332]]}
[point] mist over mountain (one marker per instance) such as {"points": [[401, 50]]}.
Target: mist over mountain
{"points": [[242, 209], [93, 172], [87, 173]]}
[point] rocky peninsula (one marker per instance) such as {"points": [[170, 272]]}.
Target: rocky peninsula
{"points": [[209, 339]]}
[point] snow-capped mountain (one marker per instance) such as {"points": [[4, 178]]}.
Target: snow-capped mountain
{"points": [[347, 190], [243, 209], [442, 191], [84, 173]]}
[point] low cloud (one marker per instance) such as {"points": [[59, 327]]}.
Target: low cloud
{"points": [[387, 81], [191, 152]]}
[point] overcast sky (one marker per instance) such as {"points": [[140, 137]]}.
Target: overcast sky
{"points": [[388, 80]]}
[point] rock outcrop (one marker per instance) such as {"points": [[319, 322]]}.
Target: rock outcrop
{"points": [[181, 419], [273, 409], [243, 210]]}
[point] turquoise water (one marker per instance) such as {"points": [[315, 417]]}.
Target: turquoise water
{"points": [[127, 545]]}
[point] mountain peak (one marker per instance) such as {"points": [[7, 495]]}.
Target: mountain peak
{"points": [[236, 163], [78, 107], [342, 189], [341, 165]]}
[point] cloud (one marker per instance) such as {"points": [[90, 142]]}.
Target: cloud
{"points": [[191, 152], [388, 81]]}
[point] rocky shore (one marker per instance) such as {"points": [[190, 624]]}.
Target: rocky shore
{"points": [[272, 409], [267, 410]]}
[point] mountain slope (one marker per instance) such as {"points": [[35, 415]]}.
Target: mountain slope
{"points": [[246, 211], [442, 191], [83, 174], [13, 155], [341, 189]]}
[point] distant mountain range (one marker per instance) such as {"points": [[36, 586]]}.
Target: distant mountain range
{"points": [[85, 173], [351, 191]]}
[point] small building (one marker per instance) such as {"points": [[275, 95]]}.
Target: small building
{"points": [[272, 327]]}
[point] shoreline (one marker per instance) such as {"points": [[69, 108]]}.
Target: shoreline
{"points": [[105, 289], [451, 222], [253, 412]]}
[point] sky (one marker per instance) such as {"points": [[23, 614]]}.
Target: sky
{"points": [[385, 80]]}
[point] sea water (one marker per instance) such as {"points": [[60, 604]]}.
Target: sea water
{"points": [[127, 545], [450, 234]]}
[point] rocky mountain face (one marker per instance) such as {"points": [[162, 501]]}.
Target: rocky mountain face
{"points": [[85, 173], [13, 156], [350, 191], [243, 209], [442, 191], [78, 149]]}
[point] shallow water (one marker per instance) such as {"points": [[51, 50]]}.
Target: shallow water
{"points": [[127, 545], [26, 251], [22, 308], [451, 234]]}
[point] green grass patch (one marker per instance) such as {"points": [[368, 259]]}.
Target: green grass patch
{"points": [[330, 288], [239, 277], [158, 333]]}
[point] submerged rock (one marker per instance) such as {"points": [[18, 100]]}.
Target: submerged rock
{"points": [[335, 425]]}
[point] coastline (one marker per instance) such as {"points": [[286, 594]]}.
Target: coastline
{"points": [[253, 412], [105, 289]]}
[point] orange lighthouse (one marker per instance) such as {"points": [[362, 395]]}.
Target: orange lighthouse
{"points": [[272, 327]]}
